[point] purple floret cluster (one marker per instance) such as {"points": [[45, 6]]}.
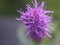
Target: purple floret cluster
{"points": [[36, 20]]}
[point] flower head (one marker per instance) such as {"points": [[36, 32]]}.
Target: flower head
{"points": [[37, 21]]}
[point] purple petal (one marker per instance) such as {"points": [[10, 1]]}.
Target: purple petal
{"points": [[42, 4], [48, 35]]}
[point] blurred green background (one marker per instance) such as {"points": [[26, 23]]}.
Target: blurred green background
{"points": [[8, 10]]}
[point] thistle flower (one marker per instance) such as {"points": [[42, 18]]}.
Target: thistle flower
{"points": [[36, 20]]}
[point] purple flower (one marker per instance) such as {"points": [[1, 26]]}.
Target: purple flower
{"points": [[37, 20]]}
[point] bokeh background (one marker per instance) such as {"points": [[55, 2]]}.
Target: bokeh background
{"points": [[12, 31]]}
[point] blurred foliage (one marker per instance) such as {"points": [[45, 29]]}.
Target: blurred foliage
{"points": [[10, 6]]}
